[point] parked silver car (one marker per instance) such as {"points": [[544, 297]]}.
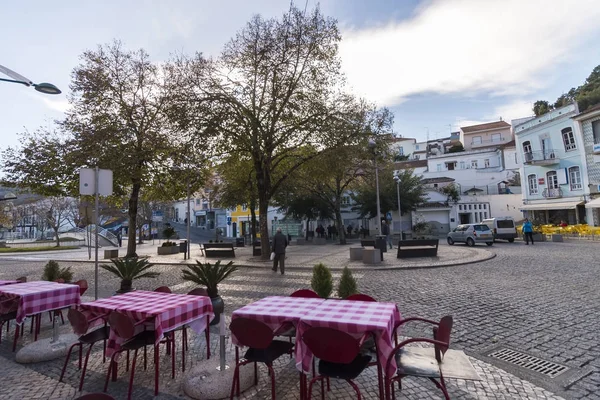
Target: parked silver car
{"points": [[471, 234]]}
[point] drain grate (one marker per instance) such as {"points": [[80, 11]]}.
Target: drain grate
{"points": [[547, 368]]}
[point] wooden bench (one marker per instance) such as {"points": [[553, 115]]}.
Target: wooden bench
{"points": [[418, 248], [219, 250], [367, 242]]}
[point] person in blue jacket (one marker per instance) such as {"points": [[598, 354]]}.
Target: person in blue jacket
{"points": [[528, 231]]}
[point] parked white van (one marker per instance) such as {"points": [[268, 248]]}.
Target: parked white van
{"points": [[502, 227]]}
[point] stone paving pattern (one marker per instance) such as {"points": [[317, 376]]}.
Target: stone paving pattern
{"points": [[540, 299]]}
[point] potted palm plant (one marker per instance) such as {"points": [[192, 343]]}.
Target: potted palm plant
{"points": [[210, 275], [129, 269]]}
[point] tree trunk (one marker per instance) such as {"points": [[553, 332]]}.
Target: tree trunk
{"points": [[340, 224], [253, 220], [263, 208], [56, 234], [307, 222], [132, 214]]}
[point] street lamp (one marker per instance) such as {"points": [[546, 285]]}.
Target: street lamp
{"points": [[397, 179], [372, 146], [43, 87]]}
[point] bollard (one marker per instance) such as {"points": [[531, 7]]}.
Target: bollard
{"points": [[222, 332]]}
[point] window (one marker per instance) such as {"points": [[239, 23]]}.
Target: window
{"points": [[416, 147], [473, 163], [197, 202], [486, 163], [596, 131], [496, 137], [476, 140], [345, 200], [552, 179], [568, 139], [532, 183], [527, 151], [485, 215], [439, 167], [505, 223], [451, 165], [416, 156], [462, 165], [244, 207], [575, 178], [401, 151]]}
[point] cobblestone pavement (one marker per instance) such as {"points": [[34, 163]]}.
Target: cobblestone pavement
{"points": [[542, 300]]}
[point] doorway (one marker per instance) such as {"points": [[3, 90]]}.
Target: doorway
{"points": [[464, 218]]}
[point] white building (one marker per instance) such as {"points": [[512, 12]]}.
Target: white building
{"points": [[554, 172]]}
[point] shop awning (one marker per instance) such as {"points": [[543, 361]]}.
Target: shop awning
{"points": [[550, 206], [593, 204]]}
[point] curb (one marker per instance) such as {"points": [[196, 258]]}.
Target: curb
{"points": [[388, 268]]}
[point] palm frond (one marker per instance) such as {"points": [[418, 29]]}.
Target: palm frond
{"points": [[207, 274]]}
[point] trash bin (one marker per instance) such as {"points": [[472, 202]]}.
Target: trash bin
{"points": [[256, 249], [402, 236], [239, 242], [381, 244], [183, 246]]}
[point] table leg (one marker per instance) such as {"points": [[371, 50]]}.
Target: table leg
{"points": [[16, 338], [115, 366]]}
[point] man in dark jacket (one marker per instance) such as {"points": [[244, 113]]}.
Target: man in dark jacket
{"points": [[280, 242]]}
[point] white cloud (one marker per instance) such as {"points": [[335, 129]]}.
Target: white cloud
{"points": [[503, 47], [58, 104]]}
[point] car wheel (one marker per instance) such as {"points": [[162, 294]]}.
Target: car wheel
{"points": [[470, 242], [489, 243], [511, 240], [450, 241]]}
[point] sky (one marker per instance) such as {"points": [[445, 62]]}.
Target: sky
{"points": [[437, 64]]}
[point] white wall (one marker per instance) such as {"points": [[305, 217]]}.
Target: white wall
{"points": [[501, 205]]}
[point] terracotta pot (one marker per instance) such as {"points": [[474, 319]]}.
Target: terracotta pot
{"points": [[126, 286]]}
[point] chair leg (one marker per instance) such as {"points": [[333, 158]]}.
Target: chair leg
{"points": [[80, 351], [173, 356], [85, 363], [156, 361], [442, 388], [272, 381], [310, 385], [62, 374], [127, 366], [207, 334], [184, 346], [32, 323], [145, 355], [356, 389], [237, 378], [132, 374], [234, 381], [111, 366], [255, 374], [322, 389], [16, 338]]}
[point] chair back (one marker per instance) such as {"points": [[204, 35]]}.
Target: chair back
{"points": [[121, 324], [442, 333], [360, 297], [78, 321], [83, 286], [163, 289], [96, 396], [331, 345], [251, 333], [60, 280], [306, 293], [9, 305], [22, 279], [199, 292]]}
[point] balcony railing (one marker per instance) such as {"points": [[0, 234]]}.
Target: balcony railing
{"points": [[487, 142], [546, 157], [552, 193]]}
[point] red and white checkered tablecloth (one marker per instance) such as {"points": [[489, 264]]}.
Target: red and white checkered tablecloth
{"points": [[167, 311], [2, 283], [355, 318], [276, 311], [39, 296]]}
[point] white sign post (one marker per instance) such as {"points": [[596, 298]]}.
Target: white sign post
{"points": [[97, 182]]}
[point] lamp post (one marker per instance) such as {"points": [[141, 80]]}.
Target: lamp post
{"points": [[397, 179], [372, 146], [43, 87]]}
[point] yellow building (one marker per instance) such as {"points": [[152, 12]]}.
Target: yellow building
{"points": [[240, 218]]}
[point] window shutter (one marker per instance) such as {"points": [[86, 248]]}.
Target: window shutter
{"points": [[562, 176]]}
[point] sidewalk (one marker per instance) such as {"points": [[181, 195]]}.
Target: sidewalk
{"points": [[299, 257]]}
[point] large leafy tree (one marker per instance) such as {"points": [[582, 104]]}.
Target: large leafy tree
{"points": [[117, 120], [274, 88]]}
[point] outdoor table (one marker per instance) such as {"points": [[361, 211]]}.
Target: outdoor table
{"points": [[166, 311], [277, 311], [356, 318], [39, 296]]}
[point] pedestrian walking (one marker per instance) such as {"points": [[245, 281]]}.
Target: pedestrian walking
{"points": [[280, 242], [528, 231], [385, 230], [329, 231]]}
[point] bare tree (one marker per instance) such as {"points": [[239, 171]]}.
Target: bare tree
{"points": [[57, 212]]}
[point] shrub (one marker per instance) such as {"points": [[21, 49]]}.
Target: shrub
{"points": [[347, 285], [322, 282], [168, 234], [53, 272]]}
